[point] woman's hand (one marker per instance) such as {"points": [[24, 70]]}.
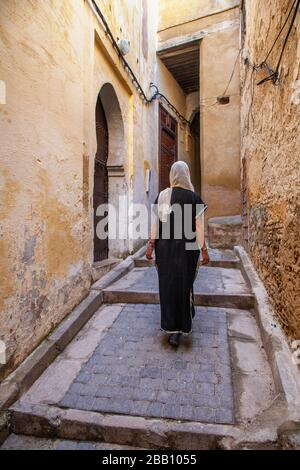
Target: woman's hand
{"points": [[150, 248], [205, 257]]}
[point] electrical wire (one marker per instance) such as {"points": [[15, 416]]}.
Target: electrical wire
{"points": [[157, 94], [232, 74], [203, 102], [274, 75], [121, 57], [279, 34], [287, 37]]}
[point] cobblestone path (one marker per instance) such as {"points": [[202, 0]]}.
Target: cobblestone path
{"points": [[119, 382], [134, 370]]}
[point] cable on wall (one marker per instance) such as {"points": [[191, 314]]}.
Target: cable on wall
{"points": [[273, 75], [159, 95], [128, 69]]}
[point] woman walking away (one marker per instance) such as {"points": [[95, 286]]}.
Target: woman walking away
{"points": [[175, 231]]}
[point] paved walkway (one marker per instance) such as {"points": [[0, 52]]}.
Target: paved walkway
{"points": [[134, 371], [121, 382]]}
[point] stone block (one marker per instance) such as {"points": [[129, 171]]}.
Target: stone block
{"points": [[224, 232]]}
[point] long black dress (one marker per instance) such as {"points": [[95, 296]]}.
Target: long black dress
{"points": [[177, 265]]}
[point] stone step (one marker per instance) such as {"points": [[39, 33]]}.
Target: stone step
{"points": [[218, 258], [52, 422], [22, 442], [239, 301], [215, 287], [209, 280], [144, 262], [119, 382]]}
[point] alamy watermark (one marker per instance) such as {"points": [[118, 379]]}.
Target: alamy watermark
{"points": [[135, 221]]}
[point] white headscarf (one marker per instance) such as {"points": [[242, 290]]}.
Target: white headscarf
{"points": [[179, 177]]}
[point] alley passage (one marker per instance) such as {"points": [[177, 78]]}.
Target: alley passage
{"points": [[121, 365], [135, 371]]}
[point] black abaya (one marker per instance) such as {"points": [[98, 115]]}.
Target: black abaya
{"points": [[176, 264]]}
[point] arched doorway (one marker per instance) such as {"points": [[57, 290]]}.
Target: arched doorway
{"points": [[109, 178], [100, 179]]}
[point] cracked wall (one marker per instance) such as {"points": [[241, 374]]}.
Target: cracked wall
{"points": [[44, 264], [55, 58], [271, 151]]}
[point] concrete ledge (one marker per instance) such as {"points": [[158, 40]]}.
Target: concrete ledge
{"points": [[240, 301], [223, 264], [53, 422], [100, 268], [144, 262], [66, 331], [130, 297], [34, 365], [9, 392], [285, 373], [118, 271]]}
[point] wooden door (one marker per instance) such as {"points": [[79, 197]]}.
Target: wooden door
{"points": [[167, 146], [100, 179]]}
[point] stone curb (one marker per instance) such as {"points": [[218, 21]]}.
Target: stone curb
{"points": [[285, 372], [118, 271], [54, 422], [34, 365]]}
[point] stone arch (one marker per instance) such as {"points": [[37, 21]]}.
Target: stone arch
{"points": [[115, 125], [117, 186], [194, 112]]}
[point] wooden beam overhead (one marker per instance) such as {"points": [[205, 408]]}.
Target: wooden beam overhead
{"points": [[183, 63]]}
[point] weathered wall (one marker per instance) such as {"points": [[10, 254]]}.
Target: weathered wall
{"points": [[55, 59], [177, 18], [220, 124], [216, 25], [271, 149], [44, 261]]}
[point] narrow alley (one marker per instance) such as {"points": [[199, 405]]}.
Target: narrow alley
{"points": [[120, 381], [121, 363], [99, 101]]}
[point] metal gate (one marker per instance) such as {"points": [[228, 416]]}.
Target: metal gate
{"points": [[100, 179]]}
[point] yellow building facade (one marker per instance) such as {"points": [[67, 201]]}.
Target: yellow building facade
{"points": [[63, 86]]}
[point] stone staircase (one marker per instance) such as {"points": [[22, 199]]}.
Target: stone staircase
{"points": [[120, 383]]}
